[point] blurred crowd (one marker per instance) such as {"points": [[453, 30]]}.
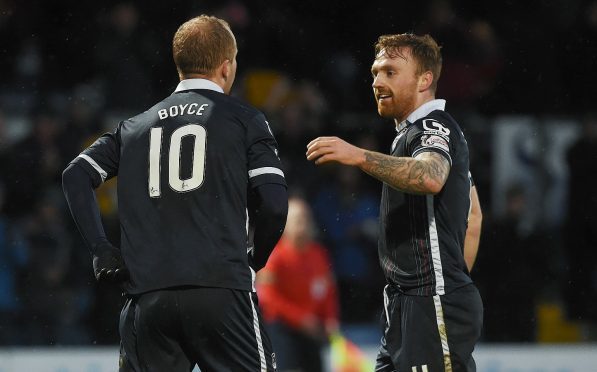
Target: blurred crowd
{"points": [[72, 70]]}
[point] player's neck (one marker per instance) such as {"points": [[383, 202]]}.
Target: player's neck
{"points": [[200, 76], [422, 99], [419, 101], [193, 76]]}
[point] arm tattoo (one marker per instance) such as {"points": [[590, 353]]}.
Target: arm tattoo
{"points": [[412, 175]]}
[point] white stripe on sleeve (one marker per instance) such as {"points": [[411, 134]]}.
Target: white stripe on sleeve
{"points": [[95, 166], [265, 170]]}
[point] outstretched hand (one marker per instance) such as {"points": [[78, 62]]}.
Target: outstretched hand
{"points": [[108, 265], [333, 149]]}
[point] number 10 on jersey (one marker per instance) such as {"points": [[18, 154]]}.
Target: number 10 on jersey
{"points": [[174, 159]]}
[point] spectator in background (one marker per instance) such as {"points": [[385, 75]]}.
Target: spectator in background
{"points": [[34, 164], [297, 111], [581, 229], [298, 294], [472, 54], [348, 211], [82, 121], [55, 304], [125, 55], [303, 114]]}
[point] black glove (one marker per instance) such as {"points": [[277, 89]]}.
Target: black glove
{"points": [[108, 265]]}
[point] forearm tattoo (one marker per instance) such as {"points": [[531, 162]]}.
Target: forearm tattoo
{"points": [[412, 175]]}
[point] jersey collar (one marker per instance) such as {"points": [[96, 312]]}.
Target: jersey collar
{"points": [[189, 84], [422, 111]]}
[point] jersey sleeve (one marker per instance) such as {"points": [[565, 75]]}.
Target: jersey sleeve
{"points": [[101, 159], [430, 135], [264, 164]]}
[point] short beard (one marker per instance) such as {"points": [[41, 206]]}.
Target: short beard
{"points": [[405, 107]]}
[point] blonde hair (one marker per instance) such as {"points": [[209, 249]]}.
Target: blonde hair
{"points": [[201, 44]]}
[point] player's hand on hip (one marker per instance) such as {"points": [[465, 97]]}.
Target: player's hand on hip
{"points": [[108, 265], [333, 149]]}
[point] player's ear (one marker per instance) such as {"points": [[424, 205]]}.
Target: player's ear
{"points": [[226, 69], [425, 80]]}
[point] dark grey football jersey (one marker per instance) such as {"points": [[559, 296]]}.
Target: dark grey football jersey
{"points": [[184, 169], [422, 236]]}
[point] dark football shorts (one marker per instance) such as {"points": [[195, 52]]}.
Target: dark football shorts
{"points": [[172, 330], [430, 333]]}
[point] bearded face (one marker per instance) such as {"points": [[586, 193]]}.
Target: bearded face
{"points": [[395, 84]]}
